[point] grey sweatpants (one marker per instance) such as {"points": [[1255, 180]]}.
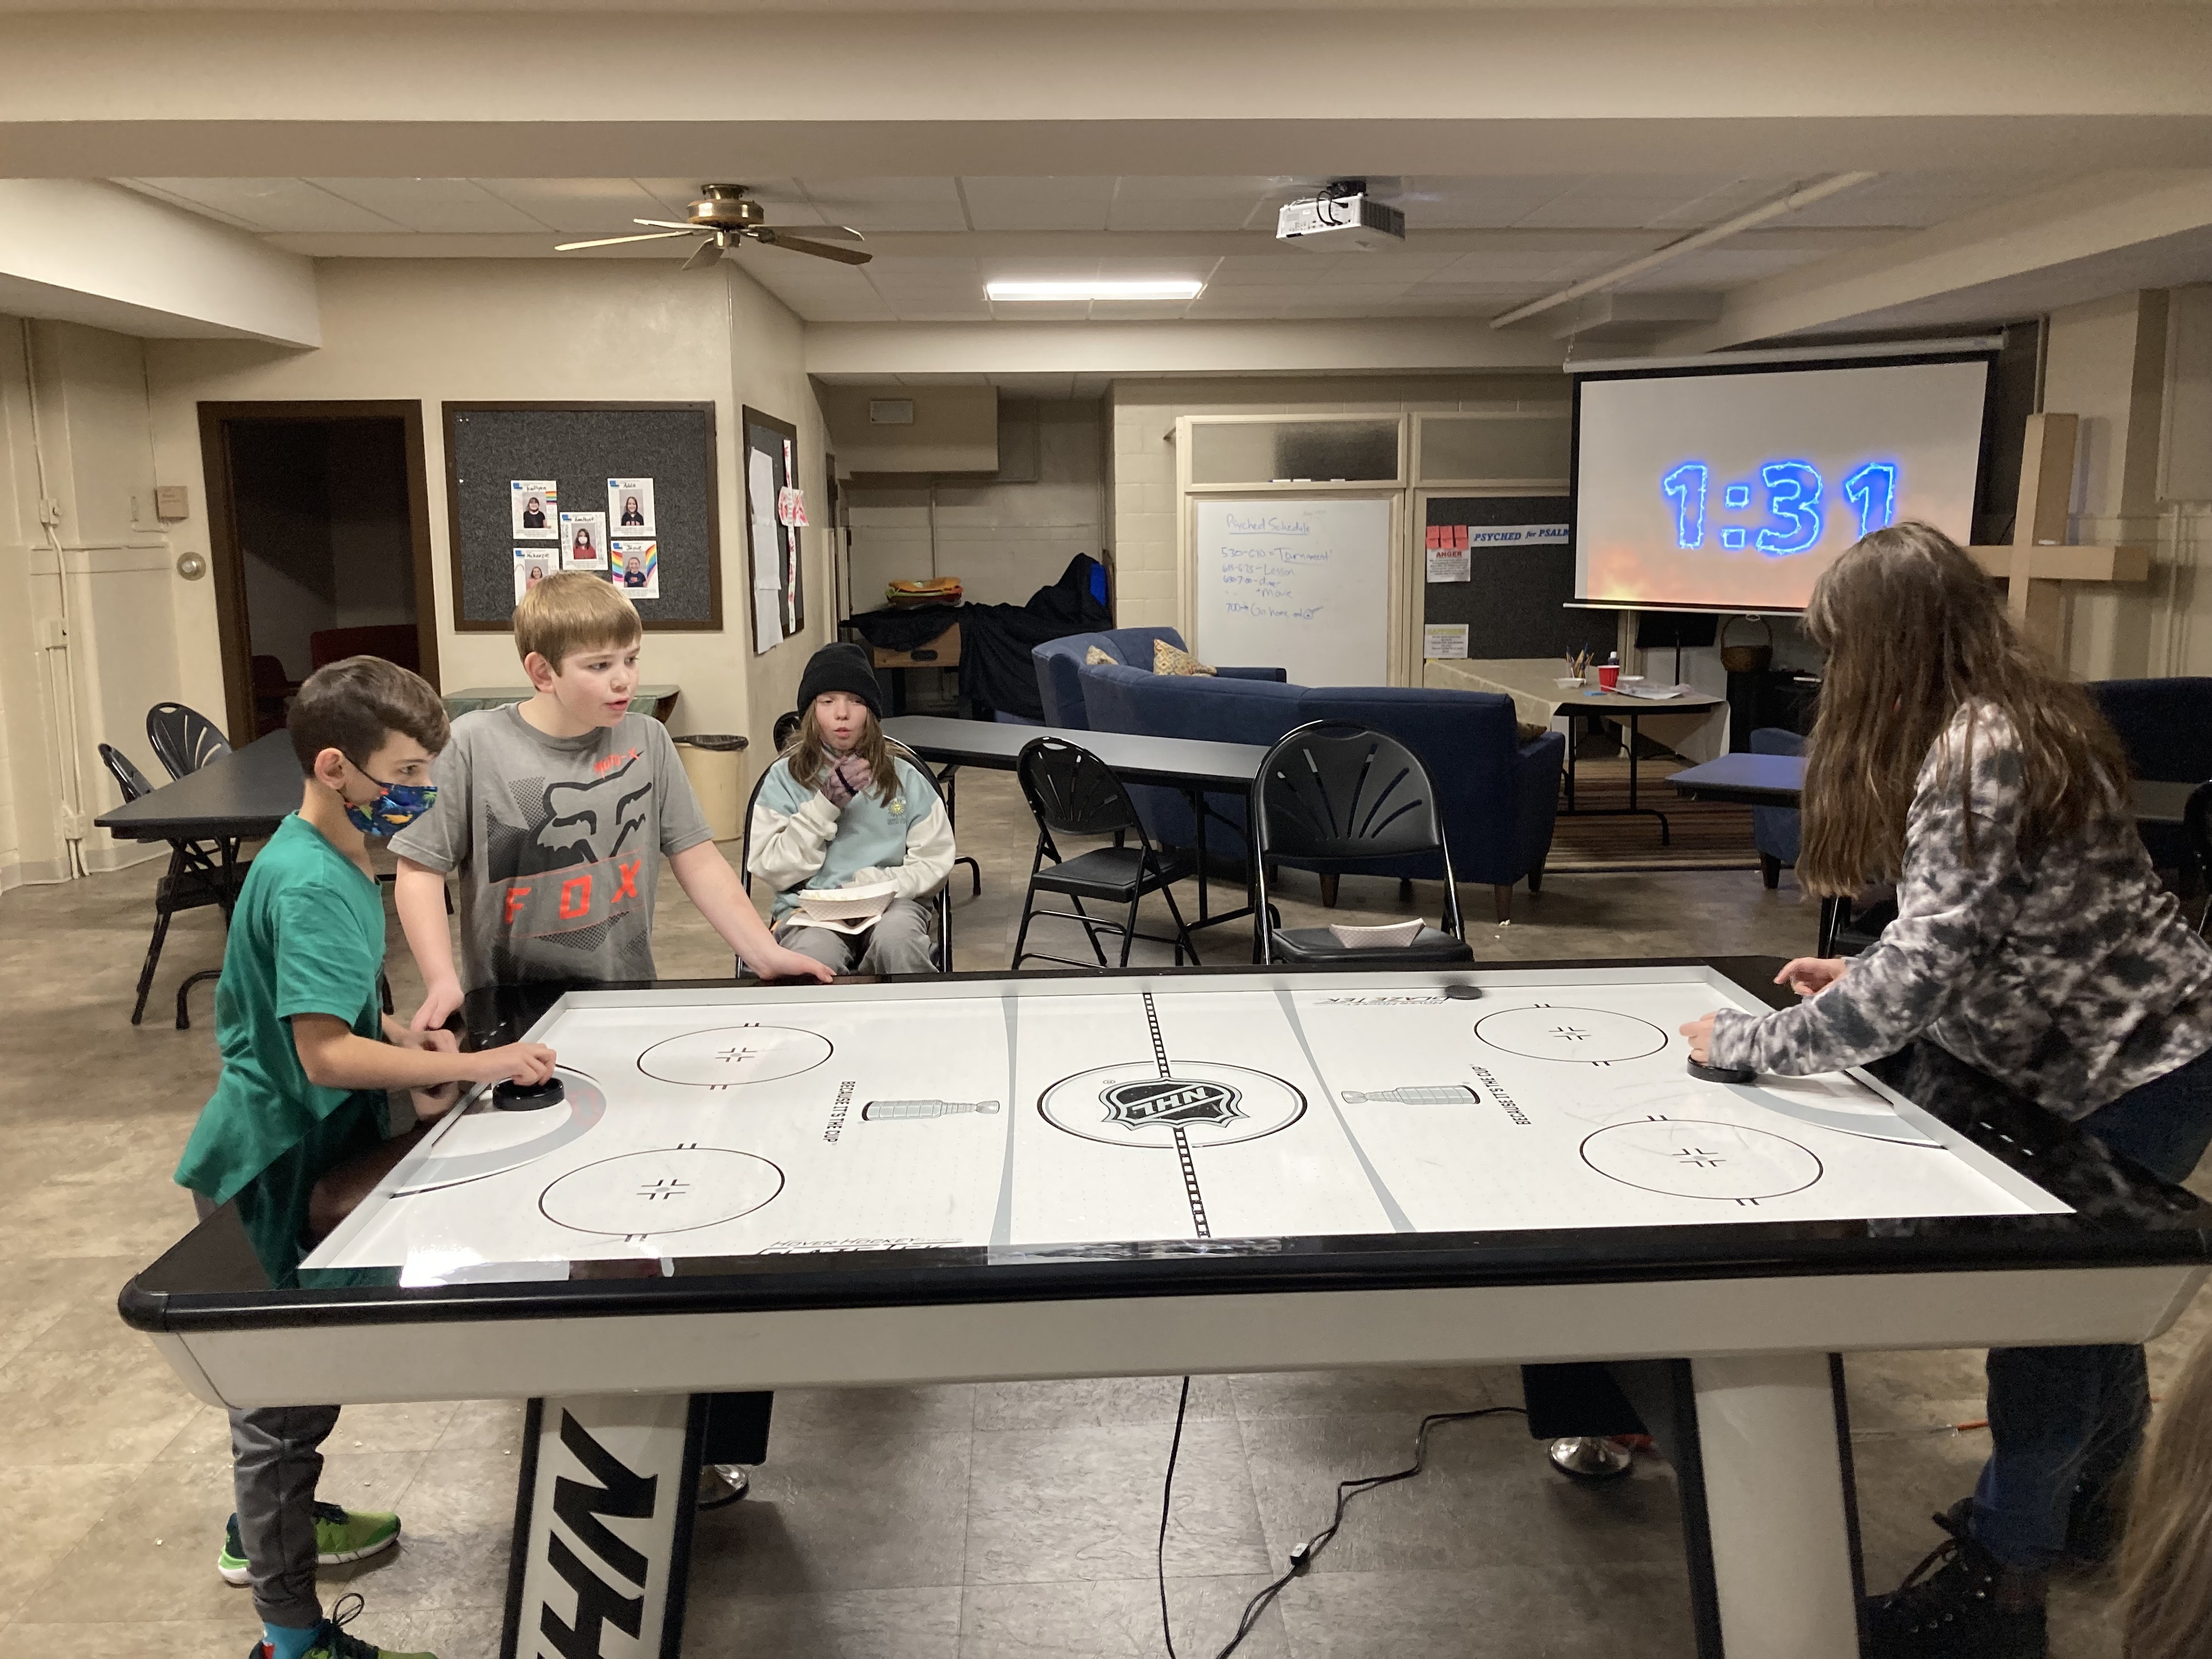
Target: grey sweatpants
{"points": [[276, 1458], [897, 944]]}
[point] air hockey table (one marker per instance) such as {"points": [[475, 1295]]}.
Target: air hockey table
{"points": [[985, 1177]]}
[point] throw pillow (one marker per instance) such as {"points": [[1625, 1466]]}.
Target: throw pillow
{"points": [[1527, 731], [1166, 660], [1098, 654]]}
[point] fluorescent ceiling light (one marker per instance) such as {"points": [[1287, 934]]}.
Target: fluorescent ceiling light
{"points": [[1178, 288]]}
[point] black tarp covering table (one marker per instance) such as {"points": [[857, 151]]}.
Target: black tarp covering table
{"points": [[996, 674]]}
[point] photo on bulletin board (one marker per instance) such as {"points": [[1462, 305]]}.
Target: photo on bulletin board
{"points": [[630, 507], [583, 541], [532, 565], [636, 568], [535, 506]]}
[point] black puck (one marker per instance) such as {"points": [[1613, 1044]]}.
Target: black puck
{"points": [[1462, 993], [512, 1097], [1721, 1074]]}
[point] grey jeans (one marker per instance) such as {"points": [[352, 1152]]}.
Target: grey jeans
{"points": [[897, 944], [276, 1459]]}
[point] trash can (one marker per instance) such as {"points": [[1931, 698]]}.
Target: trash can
{"points": [[715, 763]]}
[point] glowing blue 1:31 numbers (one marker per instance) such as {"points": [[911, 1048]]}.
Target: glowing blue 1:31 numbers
{"points": [[1794, 490]]}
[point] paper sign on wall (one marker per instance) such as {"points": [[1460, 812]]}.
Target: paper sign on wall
{"points": [[634, 567], [532, 565], [583, 541], [790, 507], [1515, 535], [1441, 640], [630, 507], [532, 508]]}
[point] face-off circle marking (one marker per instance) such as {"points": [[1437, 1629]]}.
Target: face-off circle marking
{"points": [[583, 1107], [1132, 1105], [675, 1190], [1685, 1157], [733, 1055], [1594, 1037]]}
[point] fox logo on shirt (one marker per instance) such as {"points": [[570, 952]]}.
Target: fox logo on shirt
{"points": [[578, 870]]}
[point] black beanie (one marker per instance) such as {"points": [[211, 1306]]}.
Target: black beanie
{"points": [[840, 667]]}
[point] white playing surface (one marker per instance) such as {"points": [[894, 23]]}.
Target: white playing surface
{"points": [[749, 1122]]}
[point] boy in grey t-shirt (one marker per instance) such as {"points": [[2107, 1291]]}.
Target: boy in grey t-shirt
{"points": [[556, 812]]}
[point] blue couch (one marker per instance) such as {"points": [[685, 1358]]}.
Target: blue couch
{"points": [[1498, 794], [1060, 662], [1775, 830], [2166, 727]]}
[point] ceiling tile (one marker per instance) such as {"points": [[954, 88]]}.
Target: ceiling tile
{"points": [[269, 205], [869, 204], [584, 205], [1048, 203], [433, 204]]}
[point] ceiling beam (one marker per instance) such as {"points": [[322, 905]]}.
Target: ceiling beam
{"points": [[399, 93], [85, 252], [2075, 222], [1411, 345]]}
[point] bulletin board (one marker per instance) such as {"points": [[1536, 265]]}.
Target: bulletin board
{"points": [[582, 448], [1514, 599], [776, 577]]}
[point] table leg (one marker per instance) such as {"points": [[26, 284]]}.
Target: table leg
{"points": [[1777, 1505], [1665, 831], [573, 1580], [1197, 799], [1834, 912]]}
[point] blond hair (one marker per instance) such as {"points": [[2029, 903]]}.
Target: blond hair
{"points": [[2166, 1559], [1913, 628], [573, 611]]}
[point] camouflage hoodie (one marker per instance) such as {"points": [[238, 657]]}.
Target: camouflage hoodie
{"points": [[2071, 976]]}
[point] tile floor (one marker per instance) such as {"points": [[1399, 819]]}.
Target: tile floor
{"points": [[1006, 1522]]}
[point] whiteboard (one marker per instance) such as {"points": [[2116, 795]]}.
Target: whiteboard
{"points": [[1304, 585]]}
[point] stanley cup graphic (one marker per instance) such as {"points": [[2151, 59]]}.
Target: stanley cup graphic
{"points": [[1440, 1094], [877, 1110]]}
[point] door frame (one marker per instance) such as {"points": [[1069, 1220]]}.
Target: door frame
{"points": [[225, 559]]}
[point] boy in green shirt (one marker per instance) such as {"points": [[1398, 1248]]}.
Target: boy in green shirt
{"points": [[308, 1059]]}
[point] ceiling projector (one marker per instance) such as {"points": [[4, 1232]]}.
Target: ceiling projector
{"points": [[1343, 218]]}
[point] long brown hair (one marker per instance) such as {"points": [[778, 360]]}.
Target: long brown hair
{"points": [[2165, 1560], [1912, 629], [812, 759]]}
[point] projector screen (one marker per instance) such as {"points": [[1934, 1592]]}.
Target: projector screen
{"points": [[1726, 491]]}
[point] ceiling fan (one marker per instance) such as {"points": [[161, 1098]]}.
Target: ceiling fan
{"points": [[726, 215]]}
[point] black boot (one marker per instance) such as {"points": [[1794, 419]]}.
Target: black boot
{"points": [[1969, 1607]]}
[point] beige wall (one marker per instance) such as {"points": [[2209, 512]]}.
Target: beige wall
{"points": [[87, 644], [2107, 362], [526, 331], [1144, 412], [1003, 540]]}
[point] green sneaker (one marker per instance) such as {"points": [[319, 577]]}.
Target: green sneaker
{"points": [[341, 1535], [330, 1641]]}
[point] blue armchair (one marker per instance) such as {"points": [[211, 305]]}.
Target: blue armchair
{"points": [[1059, 664], [1774, 830]]}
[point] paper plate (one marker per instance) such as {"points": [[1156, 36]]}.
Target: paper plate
{"points": [[1399, 934], [847, 903]]}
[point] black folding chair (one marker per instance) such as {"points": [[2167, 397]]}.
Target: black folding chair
{"points": [[195, 879], [940, 903], [1336, 797], [1071, 792], [184, 739]]}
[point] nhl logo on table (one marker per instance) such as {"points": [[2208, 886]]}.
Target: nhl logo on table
{"points": [[1171, 1100]]}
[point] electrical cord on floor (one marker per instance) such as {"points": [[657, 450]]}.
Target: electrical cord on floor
{"points": [[1302, 1558]]}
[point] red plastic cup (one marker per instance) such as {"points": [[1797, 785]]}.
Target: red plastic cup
{"points": [[1608, 677]]}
